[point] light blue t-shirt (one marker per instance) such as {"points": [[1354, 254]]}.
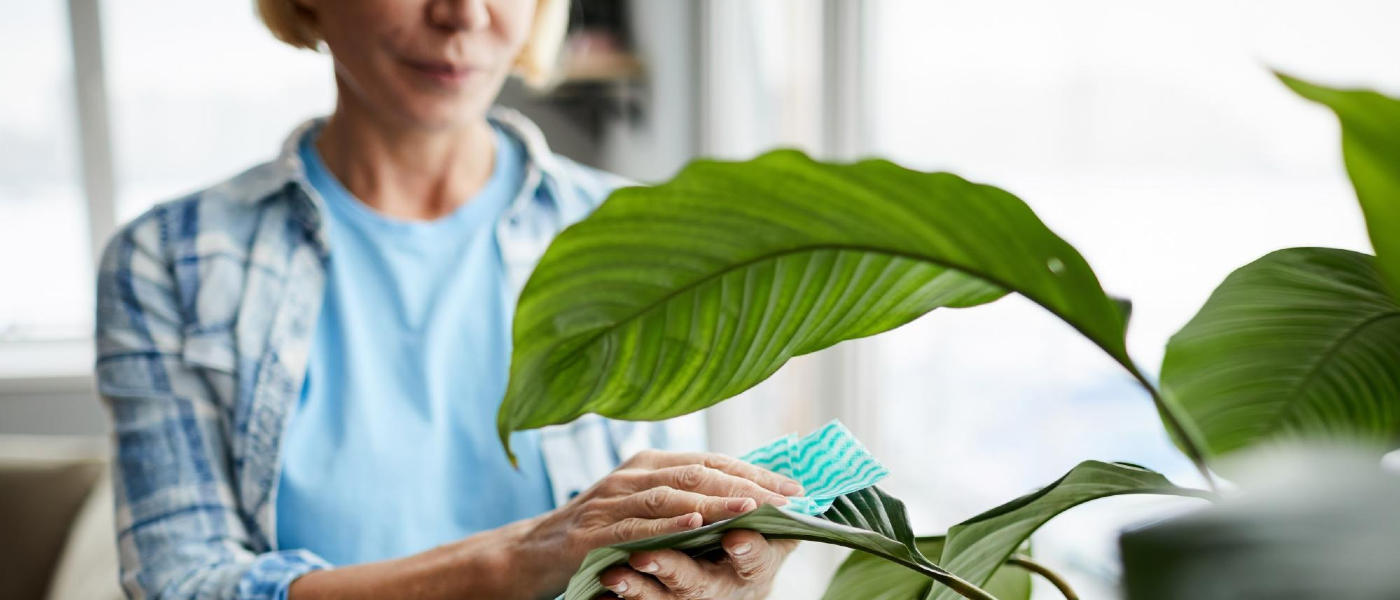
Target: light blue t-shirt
{"points": [[393, 448]]}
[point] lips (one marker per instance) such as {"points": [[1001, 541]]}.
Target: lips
{"points": [[442, 71]]}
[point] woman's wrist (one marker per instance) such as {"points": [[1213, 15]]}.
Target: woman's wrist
{"points": [[501, 563], [506, 561]]}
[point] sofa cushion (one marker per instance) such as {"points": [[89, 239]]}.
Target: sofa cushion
{"points": [[44, 481], [87, 569]]}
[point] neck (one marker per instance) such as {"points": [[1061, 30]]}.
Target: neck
{"points": [[405, 172]]}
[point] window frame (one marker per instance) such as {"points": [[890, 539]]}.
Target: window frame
{"points": [[94, 121], [64, 364]]}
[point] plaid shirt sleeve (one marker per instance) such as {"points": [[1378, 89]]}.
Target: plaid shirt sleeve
{"points": [[180, 531]]}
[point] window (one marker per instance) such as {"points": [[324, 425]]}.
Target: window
{"points": [[762, 77], [192, 104], [188, 105], [1152, 137], [41, 199]]}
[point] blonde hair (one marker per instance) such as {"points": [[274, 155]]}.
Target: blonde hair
{"points": [[536, 64]]}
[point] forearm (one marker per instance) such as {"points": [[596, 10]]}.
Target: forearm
{"points": [[491, 564]]}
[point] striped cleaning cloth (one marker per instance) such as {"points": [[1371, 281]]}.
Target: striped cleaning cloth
{"points": [[828, 462]]}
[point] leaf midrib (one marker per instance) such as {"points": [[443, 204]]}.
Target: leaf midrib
{"points": [[667, 297], [950, 538], [720, 273], [1295, 397]]}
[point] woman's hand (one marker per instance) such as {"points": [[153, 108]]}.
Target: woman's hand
{"points": [[656, 493], [651, 494], [745, 571]]}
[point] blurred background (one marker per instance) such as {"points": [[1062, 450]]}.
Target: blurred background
{"points": [[1150, 135]]}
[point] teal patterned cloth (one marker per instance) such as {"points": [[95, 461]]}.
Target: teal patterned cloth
{"points": [[828, 462]]}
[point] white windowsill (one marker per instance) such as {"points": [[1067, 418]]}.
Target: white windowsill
{"points": [[46, 366]]}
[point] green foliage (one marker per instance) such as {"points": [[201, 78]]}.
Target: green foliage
{"points": [[876, 525], [1371, 148], [873, 578], [1302, 343], [869, 521], [977, 547], [669, 299]]}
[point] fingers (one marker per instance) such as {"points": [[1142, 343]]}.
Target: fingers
{"points": [[753, 557], [636, 528], [631, 585], [704, 480], [766, 479], [666, 501], [679, 574], [750, 563]]}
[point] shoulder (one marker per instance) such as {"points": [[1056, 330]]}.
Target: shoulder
{"points": [[590, 184], [584, 185], [221, 218], [574, 188], [186, 261]]}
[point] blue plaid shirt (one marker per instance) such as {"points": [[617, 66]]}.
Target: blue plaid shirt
{"points": [[205, 314]]}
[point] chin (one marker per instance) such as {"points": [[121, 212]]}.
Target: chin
{"points": [[440, 115], [440, 109]]}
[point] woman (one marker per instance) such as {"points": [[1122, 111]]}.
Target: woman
{"points": [[303, 363]]}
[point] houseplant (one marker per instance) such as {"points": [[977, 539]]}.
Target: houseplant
{"points": [[672, 298]]}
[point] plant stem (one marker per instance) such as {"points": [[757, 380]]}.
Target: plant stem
{"points": [[1025, 562], [963, 588], [1190, 443]]}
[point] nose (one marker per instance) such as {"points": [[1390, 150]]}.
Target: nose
{"points": [[459, 15]]}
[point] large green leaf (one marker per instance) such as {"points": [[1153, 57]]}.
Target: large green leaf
{"points": [[869, 521], [669, 299], [1303, 342], [1371, 147], [976, 548], [873, 578]]}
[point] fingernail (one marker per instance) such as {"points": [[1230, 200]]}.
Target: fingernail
{"points": [[790, 488], [777, 501], [689, 521], [648, 567], [741, 549], [740, 505], [619, 587]]}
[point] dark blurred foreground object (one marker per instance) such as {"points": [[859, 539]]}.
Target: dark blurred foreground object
{"points": [[1315, 527]]}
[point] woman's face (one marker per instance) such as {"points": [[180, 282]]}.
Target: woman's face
{"points": [[428, 64]]}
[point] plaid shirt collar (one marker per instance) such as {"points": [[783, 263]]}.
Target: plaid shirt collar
{"points": [[264, 183]]}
